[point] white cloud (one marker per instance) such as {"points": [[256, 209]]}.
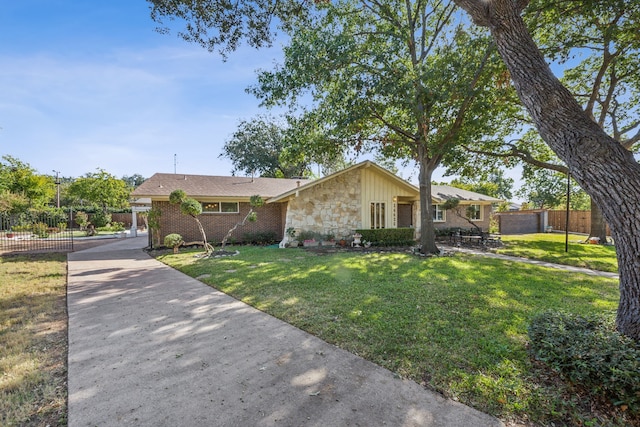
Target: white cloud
{"points": [[126, 112]]}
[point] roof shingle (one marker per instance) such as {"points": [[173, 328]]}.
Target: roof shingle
{"points": [[160, 185]]}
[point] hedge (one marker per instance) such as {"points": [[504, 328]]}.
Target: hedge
{"points": [[588, 351], [388, 236]]}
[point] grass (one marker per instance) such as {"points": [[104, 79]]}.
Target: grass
{"points": [[33, 333], [457, 325], [550, 247]]}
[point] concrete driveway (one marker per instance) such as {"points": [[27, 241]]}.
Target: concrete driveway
{"points": [[150, 346]]}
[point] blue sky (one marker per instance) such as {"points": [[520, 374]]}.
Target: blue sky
{"points": [[87, 84]]}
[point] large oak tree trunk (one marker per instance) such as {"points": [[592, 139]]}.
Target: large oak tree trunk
{"points": [[427, 230], [598, 224], [605, 169]]}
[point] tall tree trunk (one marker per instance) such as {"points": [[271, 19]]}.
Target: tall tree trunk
{"points": [[598, 224], [605, 169], [427, 230], [208, 249]]}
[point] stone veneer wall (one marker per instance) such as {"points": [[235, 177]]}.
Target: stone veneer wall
{"points": [[333, 206]]}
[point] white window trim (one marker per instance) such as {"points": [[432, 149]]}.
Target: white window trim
{"points": [[444, 213], [220, 212], [384, 220], [480, 210]]}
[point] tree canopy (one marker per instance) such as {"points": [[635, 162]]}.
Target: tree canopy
{"points": [[546, 189], [260, 146], [134, 180], [597, 45], [494, 184], [21, 187], [405, 79], [101, 189], [222, 25], [191, 207]]}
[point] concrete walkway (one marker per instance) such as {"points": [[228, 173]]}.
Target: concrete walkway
{"points": [[535, 262], [150, 346]]}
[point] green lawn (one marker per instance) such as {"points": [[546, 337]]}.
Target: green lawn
{"points": [[550, 247], [33, 340], [457, 324]]}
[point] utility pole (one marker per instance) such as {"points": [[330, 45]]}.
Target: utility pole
{"points": [[566, 224], [57, 188]]}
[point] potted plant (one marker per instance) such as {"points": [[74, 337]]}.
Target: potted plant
{"points": [[308, 238], [310, 243], [328, 240], [356, 240]]}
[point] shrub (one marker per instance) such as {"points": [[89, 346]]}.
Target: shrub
{"points": [[589, 352], [388, 236], [100, 219], [40, 229], [117, 226], [260, 238], [174, 241], [82, 219], [308, 235]]}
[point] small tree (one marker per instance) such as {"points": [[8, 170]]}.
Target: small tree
{"points": [[101, 218], [102, 189], [454, 205], [153, 223], [193, 208], [174, 241], [255, 201], [82, 219]]}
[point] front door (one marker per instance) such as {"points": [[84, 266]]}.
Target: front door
{"points": [[405, 215]]}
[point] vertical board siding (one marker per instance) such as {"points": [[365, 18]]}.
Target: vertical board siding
{"points": [[378, 188]]}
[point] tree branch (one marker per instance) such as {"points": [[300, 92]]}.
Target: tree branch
{"points": [[525, 156]]}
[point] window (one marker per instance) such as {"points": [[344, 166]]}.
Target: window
{"points": [[210, 207], [438, 214], [377, 215], [474, 212], [229, 207], [217, 207]]}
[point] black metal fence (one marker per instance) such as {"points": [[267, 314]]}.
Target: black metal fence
{"points": [[36, 232]]}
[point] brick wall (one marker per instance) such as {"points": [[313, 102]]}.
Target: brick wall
{"points": [[217, 225], [521, 222], [453, 220]]}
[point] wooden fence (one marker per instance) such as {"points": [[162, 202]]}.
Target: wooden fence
{"points": [[579, 221]]}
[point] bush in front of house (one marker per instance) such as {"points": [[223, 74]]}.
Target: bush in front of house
{"points": [[260, 238], [589, 352], [173, 240], [388, 236]]}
